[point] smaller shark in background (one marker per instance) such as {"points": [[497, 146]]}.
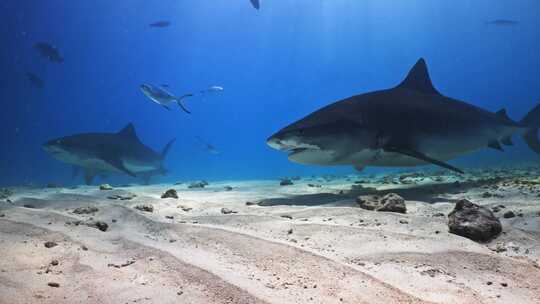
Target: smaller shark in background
{"points": [[162, 97], [120, 152], [503, 22], [161, 24], [49, 51], [35, 80], [255, 4]]}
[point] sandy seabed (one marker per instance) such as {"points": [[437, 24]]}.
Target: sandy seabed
{"points": [[303, 243]]}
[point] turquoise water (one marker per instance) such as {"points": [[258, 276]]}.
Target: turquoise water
{"points": [[276, 65]]}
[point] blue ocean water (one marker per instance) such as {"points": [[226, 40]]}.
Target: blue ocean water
{"points": [[276, 65]]}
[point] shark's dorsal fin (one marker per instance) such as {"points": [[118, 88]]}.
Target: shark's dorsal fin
{"points": [[128, 132], [502, 114], [418, 79]]}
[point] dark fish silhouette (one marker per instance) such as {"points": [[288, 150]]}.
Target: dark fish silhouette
{"points": [[411, 124], [209, 147], [503, 22], [255, 4], [49, 51], [35, 80], [162, 23]]}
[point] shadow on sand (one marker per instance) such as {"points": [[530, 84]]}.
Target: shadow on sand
{"points": [[429, 193]]}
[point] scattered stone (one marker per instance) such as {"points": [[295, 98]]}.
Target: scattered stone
{"points": [[290, 231], [286, 216], [2, 215], [252, 203], [50, 244], [105, 187], [487, 195], [145, 207], [86, 210], [97, 224], [170, 217], [403, 222], [314, 185], [180, 293], [227, 211], [509, 214], [54, 262], [171, 193], [368, 202], [228, 188], [393, 203], [489, 283], [53, 284], [286, 182], [127, 263], [123, 197], [438, 214], [84, 248], [504, 284], [474, 222], [184, 208], [29, 206]]}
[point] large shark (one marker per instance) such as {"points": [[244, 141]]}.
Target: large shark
{"points": [[409, 125], [120, 152]]}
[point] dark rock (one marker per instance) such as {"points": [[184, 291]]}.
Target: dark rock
{"points": [[122, 195], [474, 222], [54, 262], [84, 248], [285, 182], [438, 214], [170, 217], [286, 216], [53, 284], [314, 185], [105, 187], [97, 224], [509, 214], [85, 210], [369, 202], [252, 203], [29, 206], [171, 193], [145, 207], [50, 244], [393, 203], [227, 211], [2, 215], [227, 188]]}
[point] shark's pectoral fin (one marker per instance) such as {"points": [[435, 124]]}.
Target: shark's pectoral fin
{"points": [[118, 164], [113, 159], [89, 176], [494, 144], [421, 156]]}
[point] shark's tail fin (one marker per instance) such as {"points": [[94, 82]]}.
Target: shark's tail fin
{"points": [[167, 148], [532, 122], [179, 102]]}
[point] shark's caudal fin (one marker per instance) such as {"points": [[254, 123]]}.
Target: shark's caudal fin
{"points": [[179, 102], [532, 121], [418, 79], [167, 148]]}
